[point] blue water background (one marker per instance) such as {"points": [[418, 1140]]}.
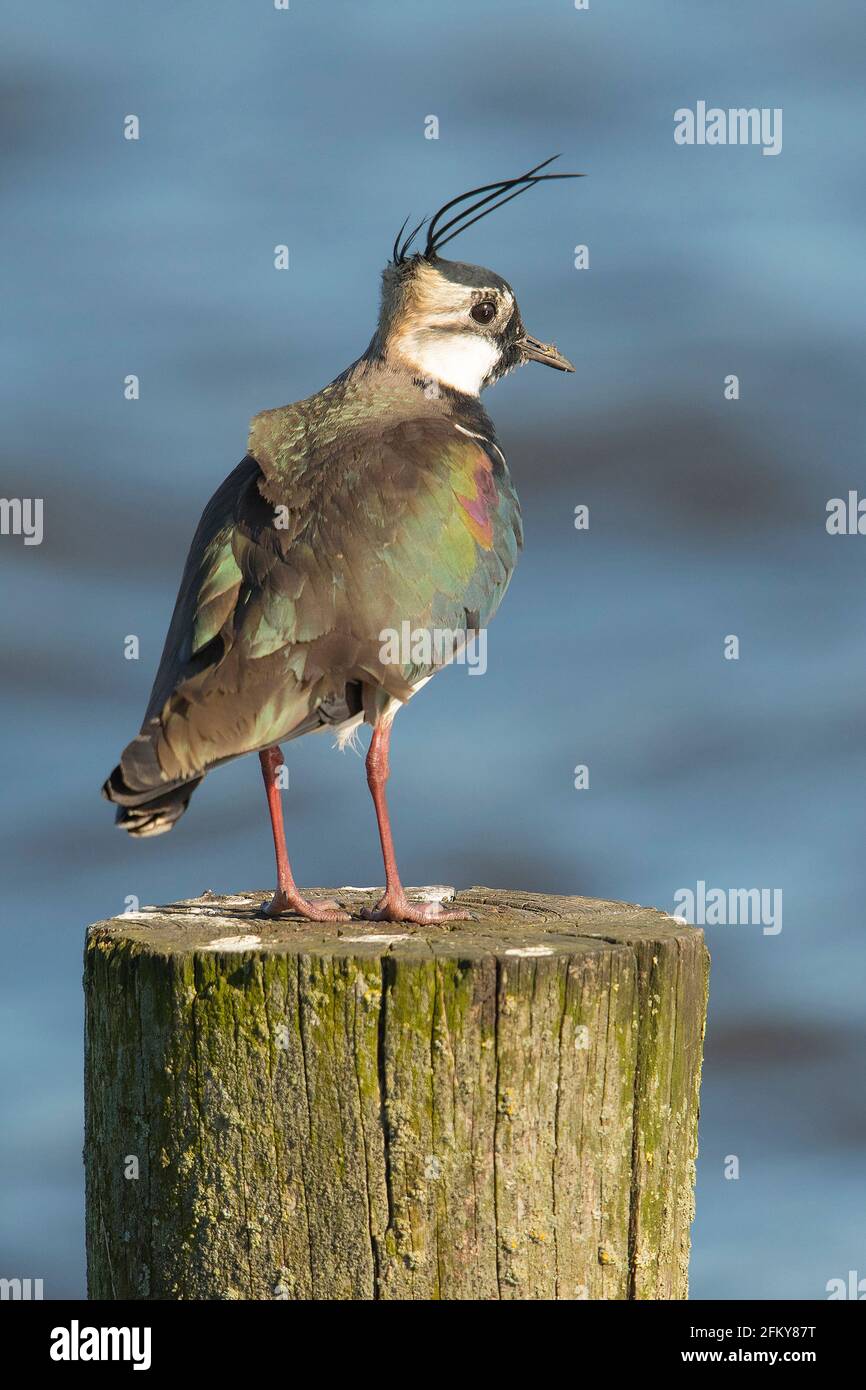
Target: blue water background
{"points": [[155, 257]]}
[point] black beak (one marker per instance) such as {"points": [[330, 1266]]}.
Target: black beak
{"points": [[535, 351]]}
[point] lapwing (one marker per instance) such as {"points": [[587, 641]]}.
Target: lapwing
{"points": [[382, 504]]}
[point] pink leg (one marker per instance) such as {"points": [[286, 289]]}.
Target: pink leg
{"points": [[288, 897], [394, 906]]}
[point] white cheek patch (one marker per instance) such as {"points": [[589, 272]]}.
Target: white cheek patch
{"points": [[459, 360]]}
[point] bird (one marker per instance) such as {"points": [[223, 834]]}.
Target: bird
{"points": [[383, 504]]}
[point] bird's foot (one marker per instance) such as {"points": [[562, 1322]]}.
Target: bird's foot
{"points": [[396, 907], [314, 909]]}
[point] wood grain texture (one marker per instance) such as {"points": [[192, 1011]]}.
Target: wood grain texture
{"points": [[498, 1109]]}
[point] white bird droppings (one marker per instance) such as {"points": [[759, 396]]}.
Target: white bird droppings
{"points": [[378, 938], [529, 951], [233, 943]]}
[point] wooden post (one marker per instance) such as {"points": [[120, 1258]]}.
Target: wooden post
{"points": [[502, 1108]]}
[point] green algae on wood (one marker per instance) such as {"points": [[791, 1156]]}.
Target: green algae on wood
{"points": [[504, 1108]]}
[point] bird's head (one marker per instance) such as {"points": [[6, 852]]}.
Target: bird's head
{"points": [[454, 324]]}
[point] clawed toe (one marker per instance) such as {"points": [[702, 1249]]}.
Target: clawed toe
{"points": [[400, 909], [314, 910]]}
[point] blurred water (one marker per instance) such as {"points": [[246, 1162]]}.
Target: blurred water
{"points": [[707, 517]]}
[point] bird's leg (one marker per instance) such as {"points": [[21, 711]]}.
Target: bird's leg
{"points": [[288, 897], [394, 906]]}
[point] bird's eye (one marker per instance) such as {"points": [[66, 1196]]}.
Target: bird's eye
{"points": [[485, 312]]}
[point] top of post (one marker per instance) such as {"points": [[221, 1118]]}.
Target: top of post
{"points": [[506, 924]]}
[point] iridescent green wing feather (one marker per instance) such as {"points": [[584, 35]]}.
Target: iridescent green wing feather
{"points": [[302, 561]]}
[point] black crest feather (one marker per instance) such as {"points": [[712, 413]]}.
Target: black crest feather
{"points": [[439, 233]]}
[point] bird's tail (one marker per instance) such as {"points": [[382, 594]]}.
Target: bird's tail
{"points": [[153, 816], [145, 804]]}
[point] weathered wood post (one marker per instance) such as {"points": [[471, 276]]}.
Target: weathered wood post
{"points": [[502, 1108]]}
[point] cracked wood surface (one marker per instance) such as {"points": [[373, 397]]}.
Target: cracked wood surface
{"points": [[501, 1108]]}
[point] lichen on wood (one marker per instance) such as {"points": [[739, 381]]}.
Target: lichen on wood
{"points": [[501, 1108]]}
